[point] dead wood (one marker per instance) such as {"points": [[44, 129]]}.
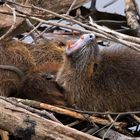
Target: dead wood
{"points": [[131, 15], [69, 113], [4, 135], [28, 126], [113, 135], [6, 21], [19, 25]]}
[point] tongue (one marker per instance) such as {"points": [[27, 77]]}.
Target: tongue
{"points": [[69, 44], [72, 46]]}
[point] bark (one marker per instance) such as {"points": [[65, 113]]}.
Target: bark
{"points": [[69, 112], [113, 135], [28, 126], [131, 15]]}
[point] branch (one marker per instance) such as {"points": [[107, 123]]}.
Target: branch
{"points": [[131, 15], [13, 25], [28, 126], [68, 112]]}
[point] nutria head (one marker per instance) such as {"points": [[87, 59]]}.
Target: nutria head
{"points": [[82, 52]]}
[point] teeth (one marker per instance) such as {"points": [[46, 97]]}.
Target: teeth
{"points": [[69, 44], [82, 37]]}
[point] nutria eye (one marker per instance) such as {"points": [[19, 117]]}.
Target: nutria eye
{"points": [[90, 36]]}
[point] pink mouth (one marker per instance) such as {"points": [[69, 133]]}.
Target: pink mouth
{"points": [[81, 42], [73, 46]]}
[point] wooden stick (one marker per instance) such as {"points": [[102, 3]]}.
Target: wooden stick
{"points": [[131, 15], [28, 126], [68, 112], [13, 25]]}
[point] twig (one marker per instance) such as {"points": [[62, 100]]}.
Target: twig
{"points": [[93, 5], [31, 31], [137, 8], [109, 3], [131, 15], [136, 117], [102, 113], [32, 27], [67, 112], [74, 123], [72, 5], [43, 113], [99, 130], [111, 126], [13, 25], [97, 30], [126, 43], [122, 36], [110, 21], [107, 35], [114, 36], [67, 13]]}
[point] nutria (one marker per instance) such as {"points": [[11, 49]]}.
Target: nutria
{"points": [[14, 54], [46, 52], [40, 85], [20, 77], [100, 79]]}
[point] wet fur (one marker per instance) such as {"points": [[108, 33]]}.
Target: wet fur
{"points": [[102, 80]]}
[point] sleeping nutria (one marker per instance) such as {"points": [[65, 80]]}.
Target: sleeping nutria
{"points": [[48, 51], [100, 79], [15, 59], [40, 85]]}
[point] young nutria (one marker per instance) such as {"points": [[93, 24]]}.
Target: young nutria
{"points": [[46, 52], [40, 85], [14, 54], [20, 77], [100, 79]]}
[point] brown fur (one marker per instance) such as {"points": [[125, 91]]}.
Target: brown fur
{"points": [[102, 80], [47, 52], [37, 87], [15, 54]]}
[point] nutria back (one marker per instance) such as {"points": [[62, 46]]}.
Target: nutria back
{"points": [[47, 52], [13, 53], [40, 85], [101, 79]]}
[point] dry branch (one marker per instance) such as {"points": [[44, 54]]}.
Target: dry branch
{"points": [[131, 15], [113, 135], [19, 26], [131, 42], [24, 124], [28, 126], [69, 112]]}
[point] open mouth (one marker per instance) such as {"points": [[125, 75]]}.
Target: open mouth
{"points": [[81, 42], [73, 46]]}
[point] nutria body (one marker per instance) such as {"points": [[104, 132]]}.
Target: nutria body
{"points": [[13, 53], [47, 52], [100, 80], [40, 85]]}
